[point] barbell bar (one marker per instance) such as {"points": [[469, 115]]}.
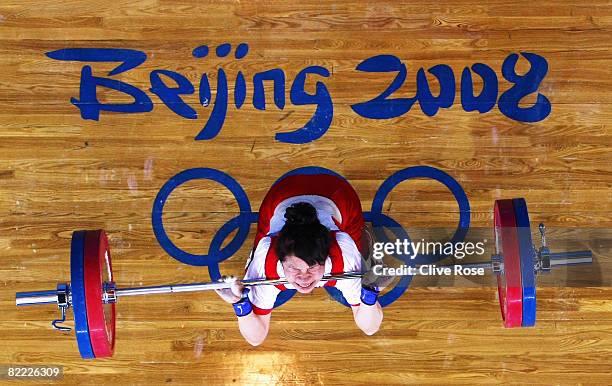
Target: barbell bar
{"points": [[112, 293], [92, 292], [50, 296]]}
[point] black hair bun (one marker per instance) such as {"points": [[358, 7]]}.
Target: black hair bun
{"points": [[301, 213]]}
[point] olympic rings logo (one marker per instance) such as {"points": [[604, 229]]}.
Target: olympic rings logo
{"points": [[242, 222]]}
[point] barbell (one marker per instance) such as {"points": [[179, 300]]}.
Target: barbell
{"points": [[92, 293]]}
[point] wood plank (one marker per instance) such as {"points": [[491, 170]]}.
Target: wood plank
{"points": [[59, 173]]}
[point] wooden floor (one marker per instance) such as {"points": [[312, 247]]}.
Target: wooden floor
{"points": [[59, 172]]}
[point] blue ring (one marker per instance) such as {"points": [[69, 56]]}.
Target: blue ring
{"points": [[528, 280], [243, 219], [379, 220], [77, 288], [377, 217], [215, 245]]}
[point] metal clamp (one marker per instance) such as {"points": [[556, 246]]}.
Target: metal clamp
{"points": [[109, 293], [542, 263], [497, 263], [542, 229], [64, 301]]}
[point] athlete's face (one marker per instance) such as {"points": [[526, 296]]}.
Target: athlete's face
{"points": [[300, 275]]}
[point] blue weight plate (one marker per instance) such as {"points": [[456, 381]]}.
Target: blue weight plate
{"points": [[528, 255], [77, 287]]}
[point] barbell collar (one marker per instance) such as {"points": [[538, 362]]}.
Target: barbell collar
{"points": [[36, 297], [586, 254]]}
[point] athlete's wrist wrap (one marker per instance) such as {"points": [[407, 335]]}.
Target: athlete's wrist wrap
{"points": [[243, 307], [369, 295]]}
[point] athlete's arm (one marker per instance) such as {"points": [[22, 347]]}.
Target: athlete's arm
{"points": [[254, 328], [367, 312], [368, 318]]}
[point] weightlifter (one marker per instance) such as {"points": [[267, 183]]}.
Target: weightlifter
{"points": [[309, 226]]}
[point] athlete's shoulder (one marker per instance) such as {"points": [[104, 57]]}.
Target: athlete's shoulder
{"points": [[264, 243], [256, 261], [350, 253], [345, 240]]}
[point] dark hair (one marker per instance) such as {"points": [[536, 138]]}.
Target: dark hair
{"points": [[303, 235]]}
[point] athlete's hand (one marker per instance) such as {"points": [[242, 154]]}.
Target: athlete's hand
{"points": [[368, 262], [234, 293], [370, 279]]}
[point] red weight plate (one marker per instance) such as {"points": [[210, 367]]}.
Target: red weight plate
{"points": [[509, 282], [107, 276], [100, 316]]}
